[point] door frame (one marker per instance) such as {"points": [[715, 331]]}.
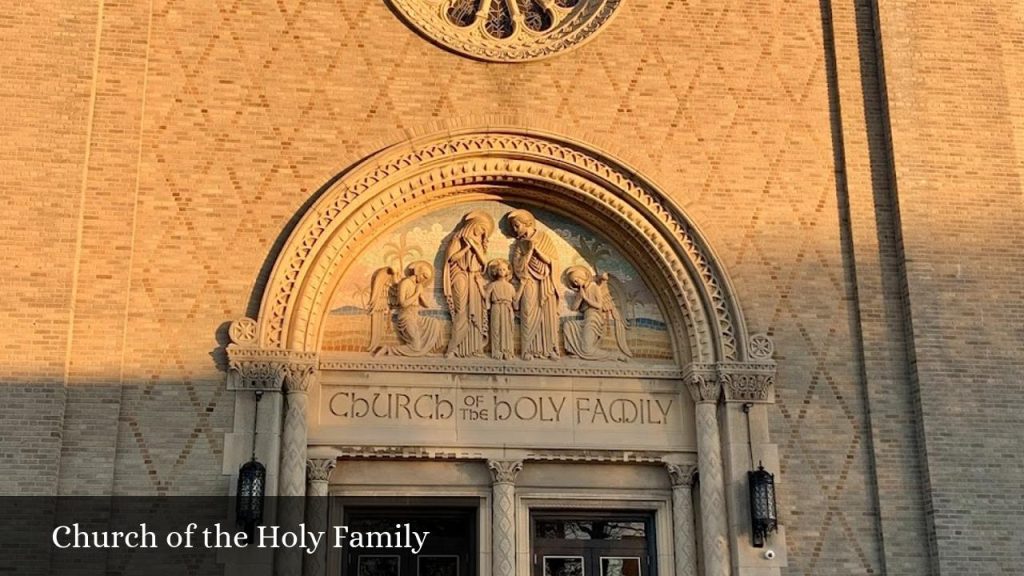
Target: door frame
{"points": [[657, 503], [346, 496]]}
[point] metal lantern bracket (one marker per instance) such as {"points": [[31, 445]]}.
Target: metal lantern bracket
{"points": [[252, 483], [764, 517]]}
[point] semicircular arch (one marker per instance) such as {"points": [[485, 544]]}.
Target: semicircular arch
{"points": [[433, 170]]}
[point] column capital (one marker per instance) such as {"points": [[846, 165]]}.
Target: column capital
{"points": [[269, 370], [504, 471], [748, 382], [298, 376], [319, 469], [681, 474], [702, 382]]}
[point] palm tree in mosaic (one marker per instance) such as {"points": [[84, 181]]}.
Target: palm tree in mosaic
{"points": [[399, 250], [591, 251]]}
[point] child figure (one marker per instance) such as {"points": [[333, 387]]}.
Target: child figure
{"points": [[502, 300]]}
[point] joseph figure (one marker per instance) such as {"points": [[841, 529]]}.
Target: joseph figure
{"points": [[535, 266]]}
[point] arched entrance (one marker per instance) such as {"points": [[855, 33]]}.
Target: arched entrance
{"points": [[555, 199]]}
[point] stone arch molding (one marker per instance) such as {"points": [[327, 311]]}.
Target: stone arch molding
{"points": [[434, 169]]}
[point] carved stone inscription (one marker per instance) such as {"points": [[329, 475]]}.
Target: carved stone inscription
{"points": [[478, 416]]}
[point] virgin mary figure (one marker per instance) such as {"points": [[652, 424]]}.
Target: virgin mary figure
{"points": [[462, 282]]}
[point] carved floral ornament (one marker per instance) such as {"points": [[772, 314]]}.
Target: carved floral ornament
{"points": [[507, 30], [434, 170]]}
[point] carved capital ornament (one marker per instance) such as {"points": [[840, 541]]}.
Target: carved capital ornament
{"points": [[504, 471]]}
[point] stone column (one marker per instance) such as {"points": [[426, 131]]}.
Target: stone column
{"points": [[317, 473], [685, 537], [297, 378], [714, 516], [503, 516]]}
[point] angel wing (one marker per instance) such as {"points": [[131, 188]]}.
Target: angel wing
{"points": [[607, 285], [382, 300]]}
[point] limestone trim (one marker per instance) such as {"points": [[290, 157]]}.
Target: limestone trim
{"points": [[433, 170], [459, 366], [518, 37], [447, 454]]}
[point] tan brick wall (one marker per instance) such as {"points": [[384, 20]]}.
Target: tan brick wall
{"points": [[46, 71], [212, 124], [955, 78]]}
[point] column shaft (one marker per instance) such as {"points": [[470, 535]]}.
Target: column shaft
{"points": [[503, 517], [714, 516], [684, 533]]}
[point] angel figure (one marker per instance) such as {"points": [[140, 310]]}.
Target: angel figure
{"points": [[418, 335], [382, 300], [464, 267], [583, 336], [502, 301]]}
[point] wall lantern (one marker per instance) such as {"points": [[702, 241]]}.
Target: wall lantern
{"points": [[252, 484], [764, 517]]}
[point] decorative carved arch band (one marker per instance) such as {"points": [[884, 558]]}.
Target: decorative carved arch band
{"points": [[573, 177]]}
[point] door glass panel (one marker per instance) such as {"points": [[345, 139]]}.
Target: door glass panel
{"points": [[590, 529], [437, 566], [563, 566], [379, 565], [620, 566]]}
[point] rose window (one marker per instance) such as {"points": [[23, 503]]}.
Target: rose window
{"points": [[508, 30]]}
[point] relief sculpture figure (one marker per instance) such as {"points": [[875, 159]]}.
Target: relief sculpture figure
{"points": [[382, 300], [502, 301], [535, 266], [462, 279], [418, 335], [583, 336]]}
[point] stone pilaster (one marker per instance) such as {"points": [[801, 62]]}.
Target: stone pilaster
{"points": [[705, 389], [748, 390], [503, 516], [685, 537], [318, 471]]}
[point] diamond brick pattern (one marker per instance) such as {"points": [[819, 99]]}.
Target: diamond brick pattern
{"points": [[250, 106]]}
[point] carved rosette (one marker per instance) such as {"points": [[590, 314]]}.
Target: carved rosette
{"points": [[761, 347], [507, 30]]}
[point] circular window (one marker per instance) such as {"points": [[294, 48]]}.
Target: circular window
{"points": [[508, 30]]}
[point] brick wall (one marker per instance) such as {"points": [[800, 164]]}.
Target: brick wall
{"points": [[160, 149]]}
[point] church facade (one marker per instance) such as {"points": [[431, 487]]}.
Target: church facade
{"points": [[556, 278]]}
